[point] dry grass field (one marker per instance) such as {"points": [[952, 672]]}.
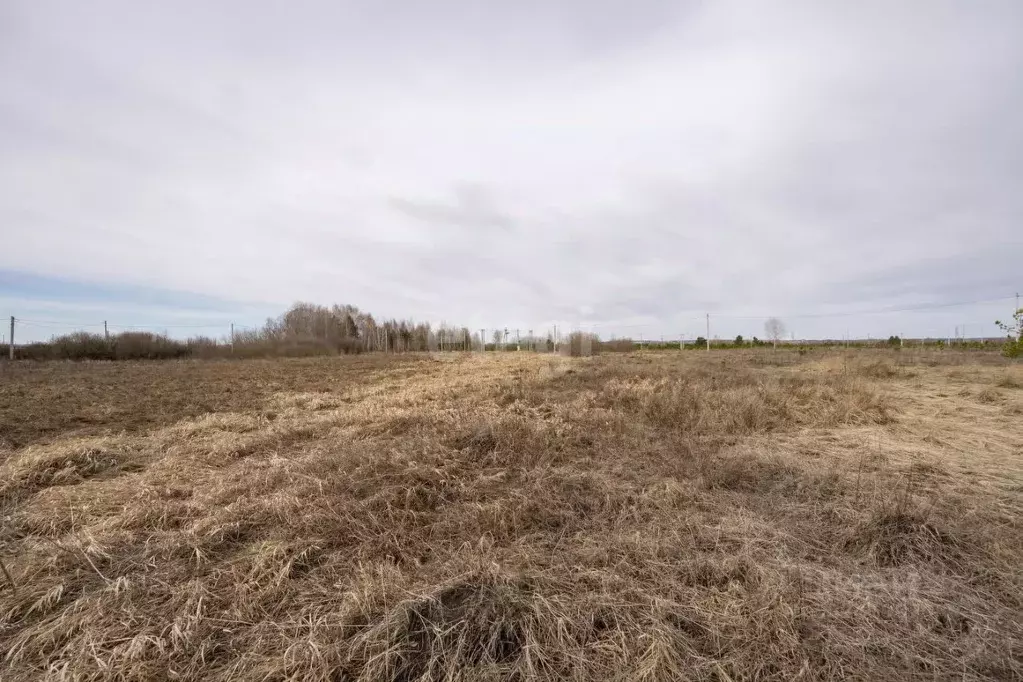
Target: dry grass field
{"points": [[652, 516]]}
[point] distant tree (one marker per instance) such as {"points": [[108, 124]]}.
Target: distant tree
{"points": [[1014, 328], [738, 340], [775, 330], [1013, 346], [700, 342], [894, 341]]}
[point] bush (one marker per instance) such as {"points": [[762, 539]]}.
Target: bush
{"points": [[147, 346], [124, 346], [82, 345], [618, 346], [205, 347], [349, 346], [580, 344]]}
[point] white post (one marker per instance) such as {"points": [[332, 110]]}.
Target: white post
{"points": [[708, 331], [12, 338]]}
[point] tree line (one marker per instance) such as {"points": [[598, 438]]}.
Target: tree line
{"points": [[305, 329]]}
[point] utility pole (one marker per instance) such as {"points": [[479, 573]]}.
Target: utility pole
{"points": [[681, 341], [518, 341], [708, 331], [555, 338], [532, 341], [106, 334], [641, 341], [232, 338], [12, 338], [483, 340]]}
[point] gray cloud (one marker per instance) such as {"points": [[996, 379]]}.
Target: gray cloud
{"points": [[473, 209], [605, 163]]}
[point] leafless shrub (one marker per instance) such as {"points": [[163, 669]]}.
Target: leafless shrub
{"points": [[581, 344], [618, 346], [123, 346]]}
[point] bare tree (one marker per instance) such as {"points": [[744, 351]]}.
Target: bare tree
{"points": [[774, 329]]}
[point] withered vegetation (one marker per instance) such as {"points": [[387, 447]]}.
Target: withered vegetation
{"points": [[684, 516]]}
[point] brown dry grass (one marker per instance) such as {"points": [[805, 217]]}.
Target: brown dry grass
{"points": [[718, 516]]}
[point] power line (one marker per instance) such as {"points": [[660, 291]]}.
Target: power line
{"points": [[54, 323], [171, 326], [57, 323], [853, 313], [922, 307], [876, 311]]}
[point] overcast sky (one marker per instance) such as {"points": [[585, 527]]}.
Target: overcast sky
{"points": [[622, 166]]}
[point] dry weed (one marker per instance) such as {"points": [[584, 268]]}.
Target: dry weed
{"points": [[1010, 381], [989, 396], [644, 517]]}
